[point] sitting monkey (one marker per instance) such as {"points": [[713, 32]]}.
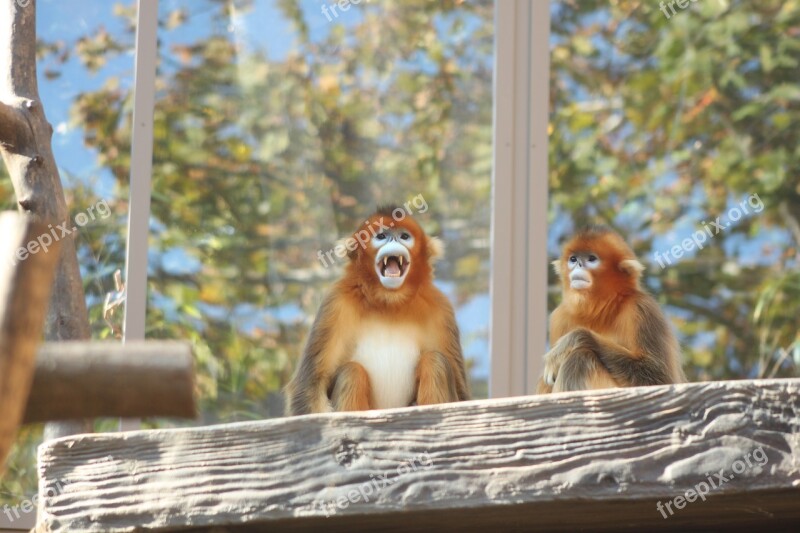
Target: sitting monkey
{"points": [[384, 336], [607, 332]]}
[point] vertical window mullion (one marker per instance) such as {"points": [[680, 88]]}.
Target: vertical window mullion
{"points": [[140, 177], [519, 210]]}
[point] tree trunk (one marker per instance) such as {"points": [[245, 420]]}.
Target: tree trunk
{"points": [[25, 136]]}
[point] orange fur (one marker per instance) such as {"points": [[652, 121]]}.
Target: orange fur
{"points": [[351, 390], [611, 333], [415, 319], [436, 382]]}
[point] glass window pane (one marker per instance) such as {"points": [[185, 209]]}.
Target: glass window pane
{"points": [[85, 74], [676, 126], [279, 127]]}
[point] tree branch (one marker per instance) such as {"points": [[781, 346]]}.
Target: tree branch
{"points": [[12, 126], [33, 169], [18, 55], [791, 221]]}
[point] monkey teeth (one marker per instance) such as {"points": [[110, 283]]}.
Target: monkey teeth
{"points": [[399, 259], [393, 266]]}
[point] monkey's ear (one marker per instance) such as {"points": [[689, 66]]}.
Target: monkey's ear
{"points": [[435, 248], [557, 267], [632, 267]]}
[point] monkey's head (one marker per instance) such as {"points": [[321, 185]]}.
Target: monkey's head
{"points": [[394, 256], [597, 262]]}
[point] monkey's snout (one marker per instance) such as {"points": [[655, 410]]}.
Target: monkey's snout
{"points": [[579, 279]]}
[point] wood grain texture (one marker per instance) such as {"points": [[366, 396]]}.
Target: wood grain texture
{"points": [[25, 287], [589, 461], [76, 380]]}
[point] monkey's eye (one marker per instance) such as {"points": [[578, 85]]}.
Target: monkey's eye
{"points": [[380, 236], [405, 236], [592, 258], [573, 259]]}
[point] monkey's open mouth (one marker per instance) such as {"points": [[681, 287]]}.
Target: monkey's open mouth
{"points": [[392, 268]]}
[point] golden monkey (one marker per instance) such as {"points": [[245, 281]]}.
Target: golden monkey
{"points": [[384, 336], [607, 332]]}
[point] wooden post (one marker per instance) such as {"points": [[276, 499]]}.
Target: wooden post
{"points": [[25, 282], [25, 136]]}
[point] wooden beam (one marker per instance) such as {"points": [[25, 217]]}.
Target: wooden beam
{"points": [[76, 380], [25, 285], [588, 461]]}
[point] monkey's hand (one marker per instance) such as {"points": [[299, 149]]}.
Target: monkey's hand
{"points": [[437, 381], [303, 402], [542, 387], [552, 363], [323, 405], [553, 359]]}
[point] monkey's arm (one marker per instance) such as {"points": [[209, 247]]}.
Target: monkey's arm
{"points": [[542, 387], [441, 373], [307, 392], [581, 355], [559, 326], [644, 352]]}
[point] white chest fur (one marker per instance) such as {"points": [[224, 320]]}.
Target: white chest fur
{"points": [[389, 353]]}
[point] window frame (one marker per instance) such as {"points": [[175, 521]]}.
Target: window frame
{"points": [[518, 294], [144, 88]]}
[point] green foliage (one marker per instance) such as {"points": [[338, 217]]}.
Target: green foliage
{"points": [[775, 319], [659, 125]]}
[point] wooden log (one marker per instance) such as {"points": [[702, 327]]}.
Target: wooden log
{"points": [[593, 461], [25, 285], [76, 380]]}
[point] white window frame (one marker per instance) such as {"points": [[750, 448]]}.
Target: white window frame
{"points": [[144, 88], [518, 326]]}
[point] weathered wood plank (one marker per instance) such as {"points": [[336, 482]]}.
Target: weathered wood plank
{"points": [[25, 286], [94, 379], [564, 462]]}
